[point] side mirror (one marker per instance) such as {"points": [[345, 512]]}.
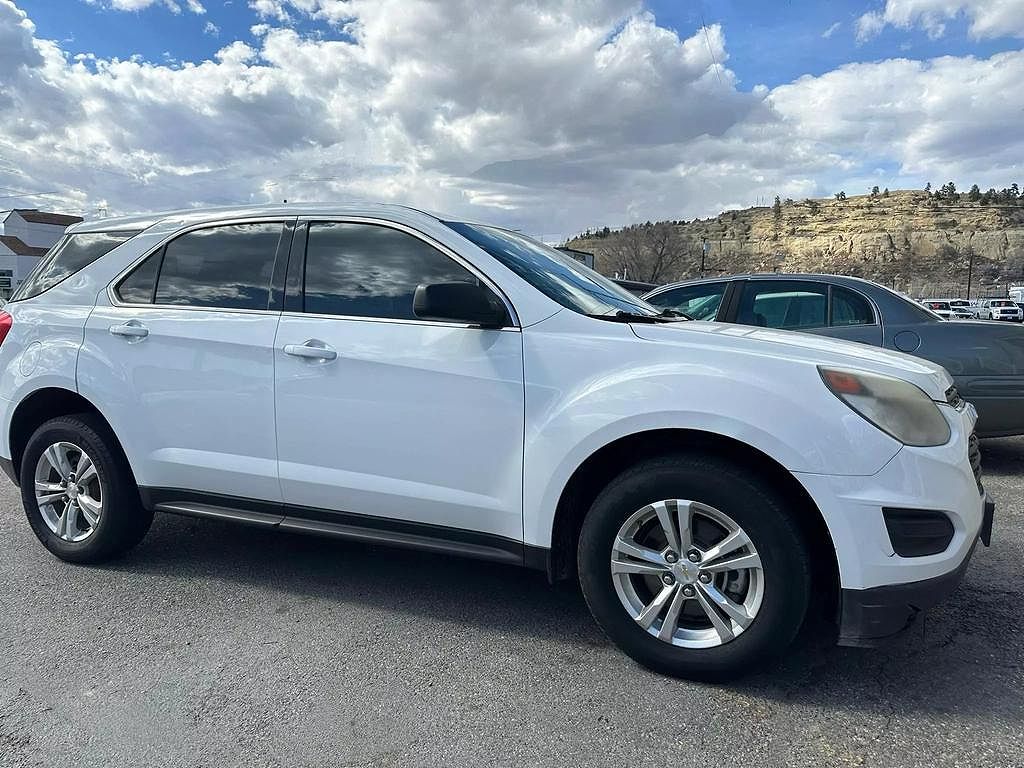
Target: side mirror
{"points": [[460, 303]]}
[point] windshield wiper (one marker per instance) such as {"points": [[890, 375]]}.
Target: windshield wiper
{"points": [[622, 316]]}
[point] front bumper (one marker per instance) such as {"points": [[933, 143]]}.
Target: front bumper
{"points": [[868, 617], [881, 591]]}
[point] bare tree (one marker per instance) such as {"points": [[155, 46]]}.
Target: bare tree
{"points": [[652, 253]]}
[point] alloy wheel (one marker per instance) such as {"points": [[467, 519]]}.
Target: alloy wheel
{"points": [[68, 491], [687, 573]]}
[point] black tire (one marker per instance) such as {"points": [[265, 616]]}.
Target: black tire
{"points": [[123, 521], [753, 504]]}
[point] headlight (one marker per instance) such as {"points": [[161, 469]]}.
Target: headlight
{"points": [[895, 406]]}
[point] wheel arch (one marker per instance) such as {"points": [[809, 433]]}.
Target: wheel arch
{"points": [[40, 406], [594, 473]]}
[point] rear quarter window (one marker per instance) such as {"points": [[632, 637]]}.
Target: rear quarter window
{"points": [[70, 255]]}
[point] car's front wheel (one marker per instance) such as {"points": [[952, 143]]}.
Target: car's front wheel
{"points": [[695, 567], [78, 491]]}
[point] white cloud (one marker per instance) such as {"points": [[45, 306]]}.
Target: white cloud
{"points": [[831, 30], [173, 6], [987, 18], [551, 117], [211, 29], [869, 25], [271, 9]]}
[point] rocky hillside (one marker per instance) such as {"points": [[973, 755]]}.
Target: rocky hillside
{"points": [[919, 242]]}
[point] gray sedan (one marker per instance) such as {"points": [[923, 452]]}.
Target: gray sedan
{"points": [[985, 359]]}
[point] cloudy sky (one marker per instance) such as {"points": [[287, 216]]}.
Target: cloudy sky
{"points": [[547, 115]]}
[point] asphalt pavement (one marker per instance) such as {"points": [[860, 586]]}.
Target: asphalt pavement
{"points": [[220, 645]]}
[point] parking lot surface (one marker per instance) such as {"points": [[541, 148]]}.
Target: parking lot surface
{"points": [[224, 645]]}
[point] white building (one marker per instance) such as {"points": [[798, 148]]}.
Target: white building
{"points": [[25, 235]]}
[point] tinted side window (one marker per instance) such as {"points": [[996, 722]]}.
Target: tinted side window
{"points": [[228, 266], [366, 270], [850, 308], [138, 286], [701, 302], [74, 253], [783, 304]]}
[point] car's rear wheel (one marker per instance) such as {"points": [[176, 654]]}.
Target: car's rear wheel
{"points": [[78, 491], [695, 567]]}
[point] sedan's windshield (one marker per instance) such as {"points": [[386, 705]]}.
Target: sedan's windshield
{"points": [[558, 276]]}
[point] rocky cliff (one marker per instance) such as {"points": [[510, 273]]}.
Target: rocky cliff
{"points": [[911, 239]]}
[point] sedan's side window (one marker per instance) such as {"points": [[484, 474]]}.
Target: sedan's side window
{"points": [[701, 302], [850, 308], [228, 267], [787, 304], [368, 270]]}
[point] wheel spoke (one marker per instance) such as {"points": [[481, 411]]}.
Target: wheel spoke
{"points": [[90, 509], [739, 563], [671, 620], [730, 608], [722, 627], [653, 609], [735, 540], [684, 519], [57, 455], [67, 521], [640, 553], [666, 516], [85, 471], [644, 569], [48, 493]]}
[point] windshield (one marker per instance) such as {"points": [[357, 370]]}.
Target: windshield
{"points": [[558, 276], [1003, 303]]}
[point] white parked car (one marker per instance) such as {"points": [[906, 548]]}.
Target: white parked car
{"points": [[379, 374], [999, 309], [940, 307], [963, 309]]}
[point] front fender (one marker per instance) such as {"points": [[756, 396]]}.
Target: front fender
{"points": [[617, 385]]}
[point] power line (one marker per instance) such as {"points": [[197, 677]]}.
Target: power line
{"points": [[29, 194], [707, 38]]}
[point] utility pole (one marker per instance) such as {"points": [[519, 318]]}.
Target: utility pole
{"points": [[970, 270], [703, 253]]}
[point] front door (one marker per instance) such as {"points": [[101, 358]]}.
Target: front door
{"points": [[380, 413]]}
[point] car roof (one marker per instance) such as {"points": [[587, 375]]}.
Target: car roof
{"points": [[199, 215], [840, 279]]}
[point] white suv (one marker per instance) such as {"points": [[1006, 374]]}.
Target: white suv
{"points": [[380, 374]]}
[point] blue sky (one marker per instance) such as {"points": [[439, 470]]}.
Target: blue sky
{"points": [[769, 43], [552, 116]]}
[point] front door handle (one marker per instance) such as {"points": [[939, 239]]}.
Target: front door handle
{"points": [[133, 330], [311, 350]]}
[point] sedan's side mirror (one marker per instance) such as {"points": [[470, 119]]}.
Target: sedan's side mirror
{"points": [[468, 303]]}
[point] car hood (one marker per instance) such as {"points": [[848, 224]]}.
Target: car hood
{"points": [[802, 347]]}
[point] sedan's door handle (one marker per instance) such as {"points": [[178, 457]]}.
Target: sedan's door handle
{"points": [[133, 329], [311, 350]]}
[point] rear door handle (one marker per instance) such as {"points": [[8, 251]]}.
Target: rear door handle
{"points": [[133, 329], [311, 350]]}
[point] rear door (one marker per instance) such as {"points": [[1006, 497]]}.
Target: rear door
{"points": [[183, 356], [381, 413], [810, 306]]}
